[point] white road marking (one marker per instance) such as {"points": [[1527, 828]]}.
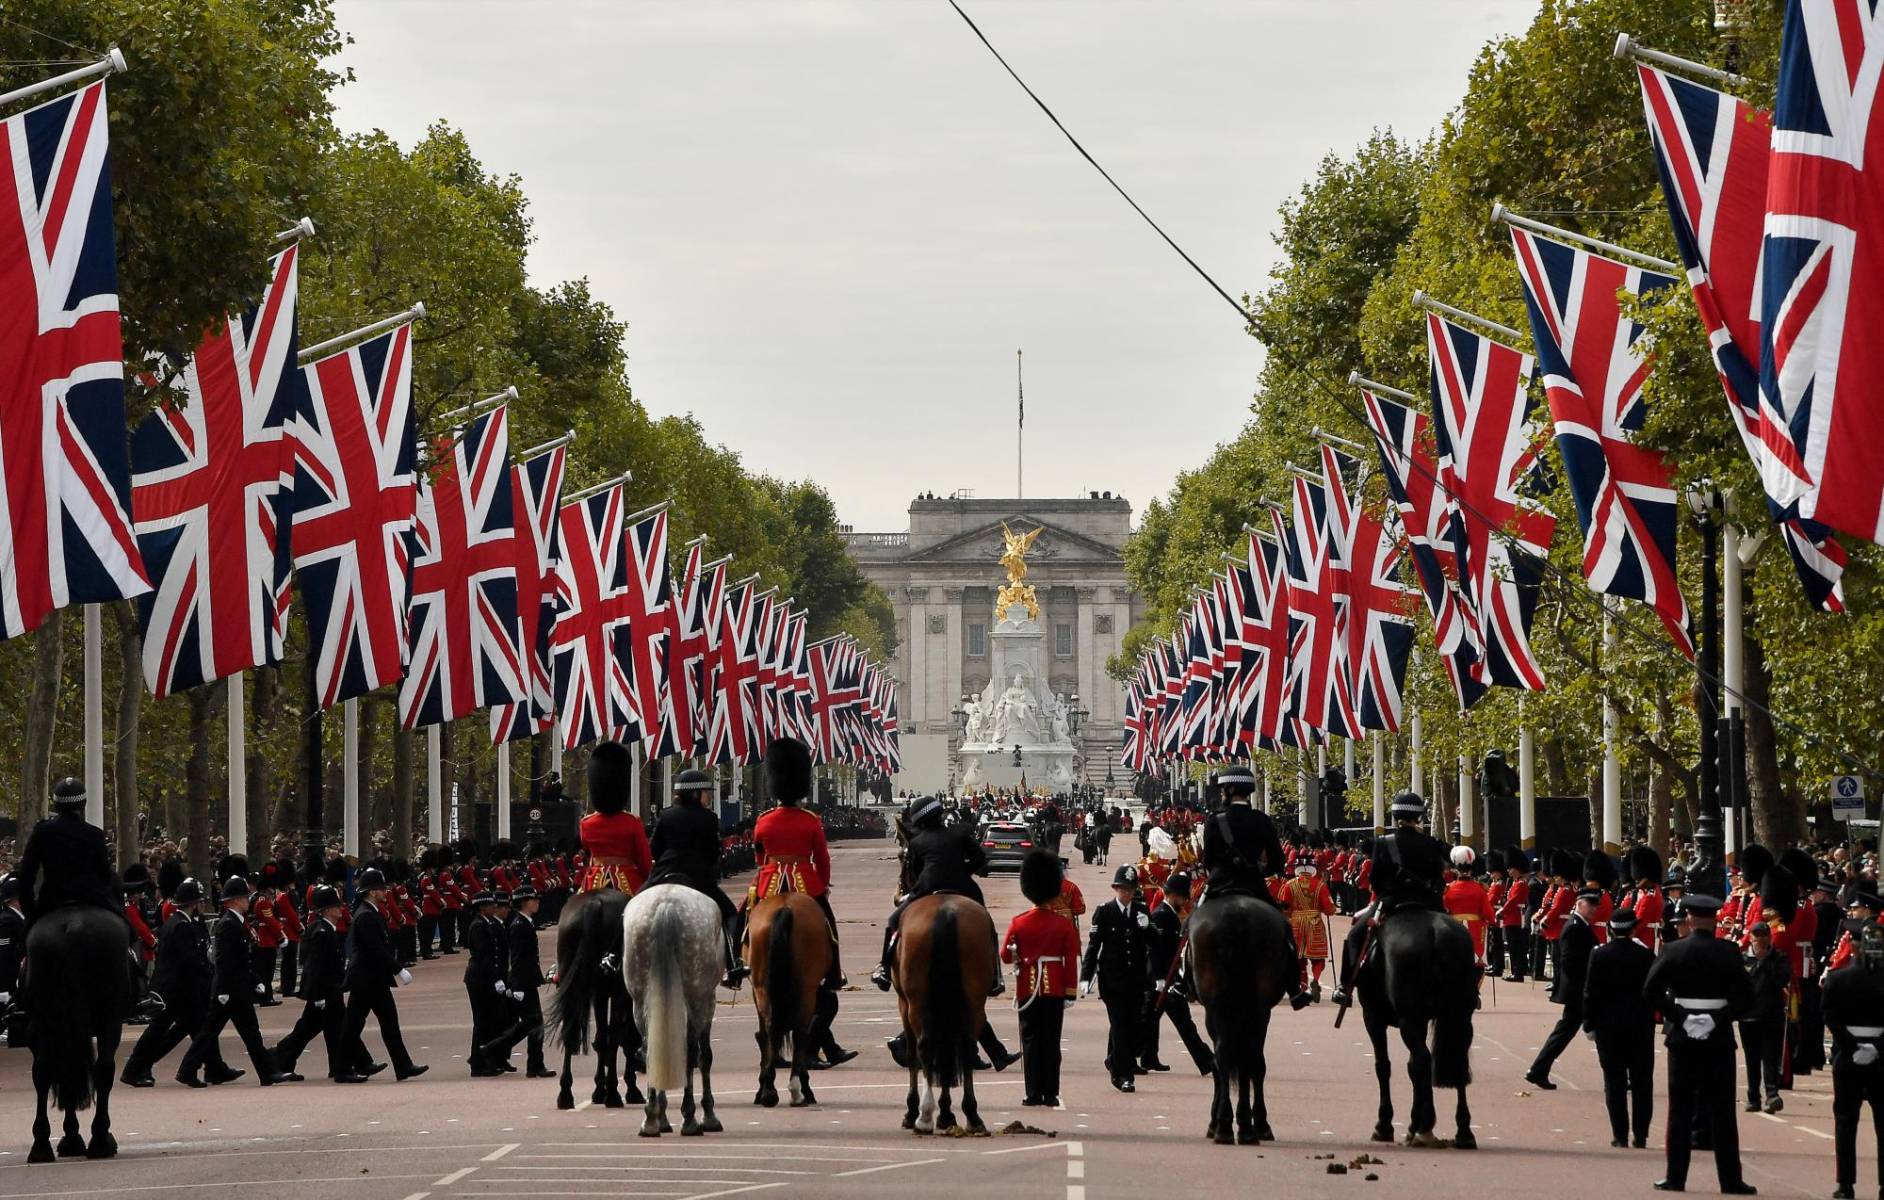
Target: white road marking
{"points": [[418, 1196], [454, 1177], [581, 1104], [714, 1156], [220, 1183], [186, 1146], [1076, 1168], [666, 1167], [733, 1191], [498, 1153], [920, 1162], [1033, 1146], [1075, 1191], [710, 1153]]}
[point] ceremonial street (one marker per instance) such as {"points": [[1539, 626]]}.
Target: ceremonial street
{"points": [[446, 1135]]}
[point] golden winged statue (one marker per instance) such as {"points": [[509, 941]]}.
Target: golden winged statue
{"points": [[1014, 558]]}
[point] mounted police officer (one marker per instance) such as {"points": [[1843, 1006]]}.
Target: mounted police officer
{"points": [[686, 850], [1241, 852], [940, 858], [1853, 1003], [66, 860], [1407, 870]]}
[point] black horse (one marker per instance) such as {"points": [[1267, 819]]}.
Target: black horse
{"points": [[589, 980], [78, 994], [1421, 975], [1239, 962]]}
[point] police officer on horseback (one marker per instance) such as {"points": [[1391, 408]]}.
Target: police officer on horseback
{"points": [[1241, 852], [1409, 867], [686, 849], [66, 860], [938, 858]]}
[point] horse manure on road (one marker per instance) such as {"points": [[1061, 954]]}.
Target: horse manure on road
{"points": [[1020, 1129]]}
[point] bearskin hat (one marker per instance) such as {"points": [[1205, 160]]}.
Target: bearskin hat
{"points": [[447, 856], [1599, 869], [136, 877], [428, 858], [270, 875], [1563, 863], [1804, 870], [1516, 857], [231, 866], [169, 875], [335, 872], [1779, 893], [788, 770], [1494, 862], [1645, 863], [611, 770], [503, 851], [1341, 838], [1755, 861], [1039, 872]]}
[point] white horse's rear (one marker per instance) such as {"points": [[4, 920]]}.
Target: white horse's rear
{"points": [[672, 959]]}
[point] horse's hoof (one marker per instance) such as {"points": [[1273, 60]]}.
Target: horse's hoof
{"points": [[909, 1122], [650, 1129], [598, 1096], [565, 1101], [977, 1129], [1465, 1140], [103, 1146], [947, 1122], [71, 1146], [1248, 1137], [712, 1125], [802, 1100], [667, 1126], [1262, 1133], [634, 1096], [1226, 1137], [691, 1129], [1383, 1133], [40, 1153], [768, 1098], [1425, 1141]]}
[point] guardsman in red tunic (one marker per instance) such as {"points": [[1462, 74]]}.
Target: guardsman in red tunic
{"points": [[1558, 901], [1510, 914], [1308, 904], [1645, 899], [615, 839], [1599, 872], [1043, 948], [266, 934], [793, 853], [1071, 902], [1467, 899]]}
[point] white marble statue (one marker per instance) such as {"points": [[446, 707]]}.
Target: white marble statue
{"points": [[1017, 717], [1061, 733], [977, 720]]}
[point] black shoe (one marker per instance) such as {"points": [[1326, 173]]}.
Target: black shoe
{"points": [[350, 1077], [372, 1068], [1842, 1192], [539, 1073], [1005, 1060], [1343, 997], [1207, 1068], [140, 1079], [277, 1077], [507, 1068], [1031, 1102], [1152, 1064], [413, 1071], [229, 1076], [1541, 1082], [1300, 1001], [1751, 1106], [1641, 1143], [1670, 1185], [1775, 1104], [1619, 1143], [982, 1064], [1124, 1084], [997, 987], [838, 1058], [486, 1072], [191, 1081], [1739, 1188], [881, 977]]}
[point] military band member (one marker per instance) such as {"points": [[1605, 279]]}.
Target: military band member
{"points": [[1622, 1024], [1043, 948], [1117, 952], [1700, 989], [1853, 1005]]}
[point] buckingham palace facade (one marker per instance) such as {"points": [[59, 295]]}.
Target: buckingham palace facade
{"points": [[941, 576]]}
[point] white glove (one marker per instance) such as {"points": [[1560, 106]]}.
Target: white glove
{"points": [[1698, 1026], [6, 998], [517, 996], [405, 977], [319, 1005], [1865, 1054], [223, 1000], [1085, 989], [261, 989], [502, 987]]}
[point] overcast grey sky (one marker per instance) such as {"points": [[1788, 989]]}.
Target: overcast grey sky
{"points": [[830, 223]]}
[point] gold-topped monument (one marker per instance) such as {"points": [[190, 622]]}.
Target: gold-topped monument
{"points": [[1014, 558]]}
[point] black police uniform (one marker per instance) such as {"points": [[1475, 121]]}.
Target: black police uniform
{"points": [[12, 952], [182, 975], [232, 991], [66, 861], [1408, 870], [523, 974], [686, 849], [1117, 951], [940, 859], [485, 942], [1567, 989], [371, 969], [1700, 974], [1167, 931], [1853, 998], [1241, 851], [1624, 1026], [323, 966]]}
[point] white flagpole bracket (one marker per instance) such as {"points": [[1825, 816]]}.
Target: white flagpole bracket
{"points": [[1628, 48], [1339, 442], [111, 64], [1356, 379], [304, 228], [597, 489], [479, 406], [546, 447]]}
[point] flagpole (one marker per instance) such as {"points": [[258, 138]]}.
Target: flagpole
{"points": [[238, 839], [1501, 213], [434, 788], [1380, 781], [634, 782], [350, 776], [322, 349], [1468, 817], [503, 791], [1020, 426], [1527, 783], [1612, 767], [1422, 300], [1321, 773], [1416, 783], [1628, 48], [94, 719], [546, 447], [477, 406], [111, 64], [1356, 379], [1347, 769]]}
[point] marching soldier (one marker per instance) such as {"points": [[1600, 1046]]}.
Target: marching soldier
{"points": [[484, 982], [1575, 943], [1169, 997], [323, 980], [1512, 926], [1853, 998], [372, 973], [233, 991], [1043, 947], [1622, 1024], [1700, 989], [181, 976], [1116, 955]]}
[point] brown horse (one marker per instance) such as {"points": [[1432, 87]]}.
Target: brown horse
{"points": [[943, 966], [789, 950]]}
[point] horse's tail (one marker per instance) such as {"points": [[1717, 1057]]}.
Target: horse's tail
{"points": [[65, 1015], [1452, 1020], [944, 1040], [1238, 971], [568, 1012], [667, 1000], [781, 976]]}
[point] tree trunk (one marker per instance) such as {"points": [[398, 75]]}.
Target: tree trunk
{"points": [[124, 759], [402, 798], [1778, 819], [267, 810], [196, 781], [1556, 768], [41, 721]]}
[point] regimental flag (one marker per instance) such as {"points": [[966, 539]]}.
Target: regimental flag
{"points": [[536, 498], [1711, 152], [589, 645], [65, 483], [1379, 620], [1822, 270], [1317, 687], [1435, 536], [686, 664], [212, 479], [651, 623], [1594, 365], [732, 734], [1488, 462], [355, 500], [466, 638]]}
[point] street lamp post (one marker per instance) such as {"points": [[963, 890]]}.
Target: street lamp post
{"points": [[1708, 874]]}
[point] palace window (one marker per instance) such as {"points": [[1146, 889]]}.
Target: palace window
{"points": [[1063, 640], [977, 640]]}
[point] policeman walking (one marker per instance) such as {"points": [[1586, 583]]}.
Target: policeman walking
{"points": [[1117, 951], [181, 976], [1169, 995], [323, 970], [233, 990], [373, 971], [1622, 1024], [1853, 1006], [1577, 942], [484, 982], [1700, 988]]}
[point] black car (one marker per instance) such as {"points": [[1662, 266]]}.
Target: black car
{"points": [[1007, 842]]}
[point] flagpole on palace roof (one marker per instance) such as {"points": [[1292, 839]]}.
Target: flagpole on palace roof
{"points": [[112, 63], [1020, 426], [322, 349]]}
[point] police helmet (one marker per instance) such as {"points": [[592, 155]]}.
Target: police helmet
{"points": [[923, 810], [325, 896], [236, 888], [68, 795], [692, 785], [1408, 806], [371, 880], [188, 892]]}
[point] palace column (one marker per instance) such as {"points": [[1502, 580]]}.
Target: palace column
{"points": [[916, 604], [956, 637], [1086, 651]]}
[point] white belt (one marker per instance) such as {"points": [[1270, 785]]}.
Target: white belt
{"points": [[1866, 1031], [1707, 1005]]}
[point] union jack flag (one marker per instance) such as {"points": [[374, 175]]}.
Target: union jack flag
{"points": [[1488, 461], [832, 692], [651, 633], [1379, 621], [355, 499], [1132, 736], [766, 635], [733, 731], [212, 478], [1435, 536], [1192, 702], [892, 731], [65, 484], [589, 645], [1821, 271], [795, 679], [687, 653], [536, 497], [1594, 368], [1711, 151], [1266, 637], [466, 649], [1317, 686]]}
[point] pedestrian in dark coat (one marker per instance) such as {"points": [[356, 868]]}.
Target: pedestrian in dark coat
{"points": [[485, 983], [1116, 953], [1567, 986], [373, 971], [1853, 999], [1763, 1028]]}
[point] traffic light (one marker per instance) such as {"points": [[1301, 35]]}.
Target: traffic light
{"points": [[1334, 790]]}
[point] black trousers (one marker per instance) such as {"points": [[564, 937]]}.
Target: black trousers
{"points": [[1760, 1044], [526, 1025], [377, 1001], [1178, 1011], [262, 962], [239, 1012], [428, 936], [1561, 1035], [1628, 1062], [1495, 950], [1808, 1048], [179, 1021], [1540, 954], [489, 1013], [329, 1023], [1701, 1084], [1517, 940], [1040, 1025], [290, 960], [1125, 1019], [1853, 1087]]}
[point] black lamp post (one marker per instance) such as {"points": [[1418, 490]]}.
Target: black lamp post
{"points": [[1708, 873]]}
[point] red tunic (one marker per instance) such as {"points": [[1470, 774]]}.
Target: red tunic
{"points": [[289, 918], [1511, 904], [1306, 901], [1468, 900], [794, 855], [146, 939], [1070, 903], [617, 844], [1044, 946], [264, 925], [1556, 910], [1649, 908]]}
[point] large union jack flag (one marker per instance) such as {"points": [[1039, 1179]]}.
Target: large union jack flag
{"points": [[355, 498], [1594, 366], [1318, 689], [687, 653], [1711, 151], [589, 648], [651, 633], [212, 478], [1822, 270], [1488, 462], [536, 497], [1379, 619], [65, 483], [466, 647], [732, 733], [833, 691]]}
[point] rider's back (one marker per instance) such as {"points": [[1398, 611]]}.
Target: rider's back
{"points": [[66, 862], [945, 859]]}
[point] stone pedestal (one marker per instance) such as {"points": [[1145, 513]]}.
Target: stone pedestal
{"points": [[1017, 709]]}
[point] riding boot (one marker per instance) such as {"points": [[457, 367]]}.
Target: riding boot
{"points": [[736, 968], [881, 976]]}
